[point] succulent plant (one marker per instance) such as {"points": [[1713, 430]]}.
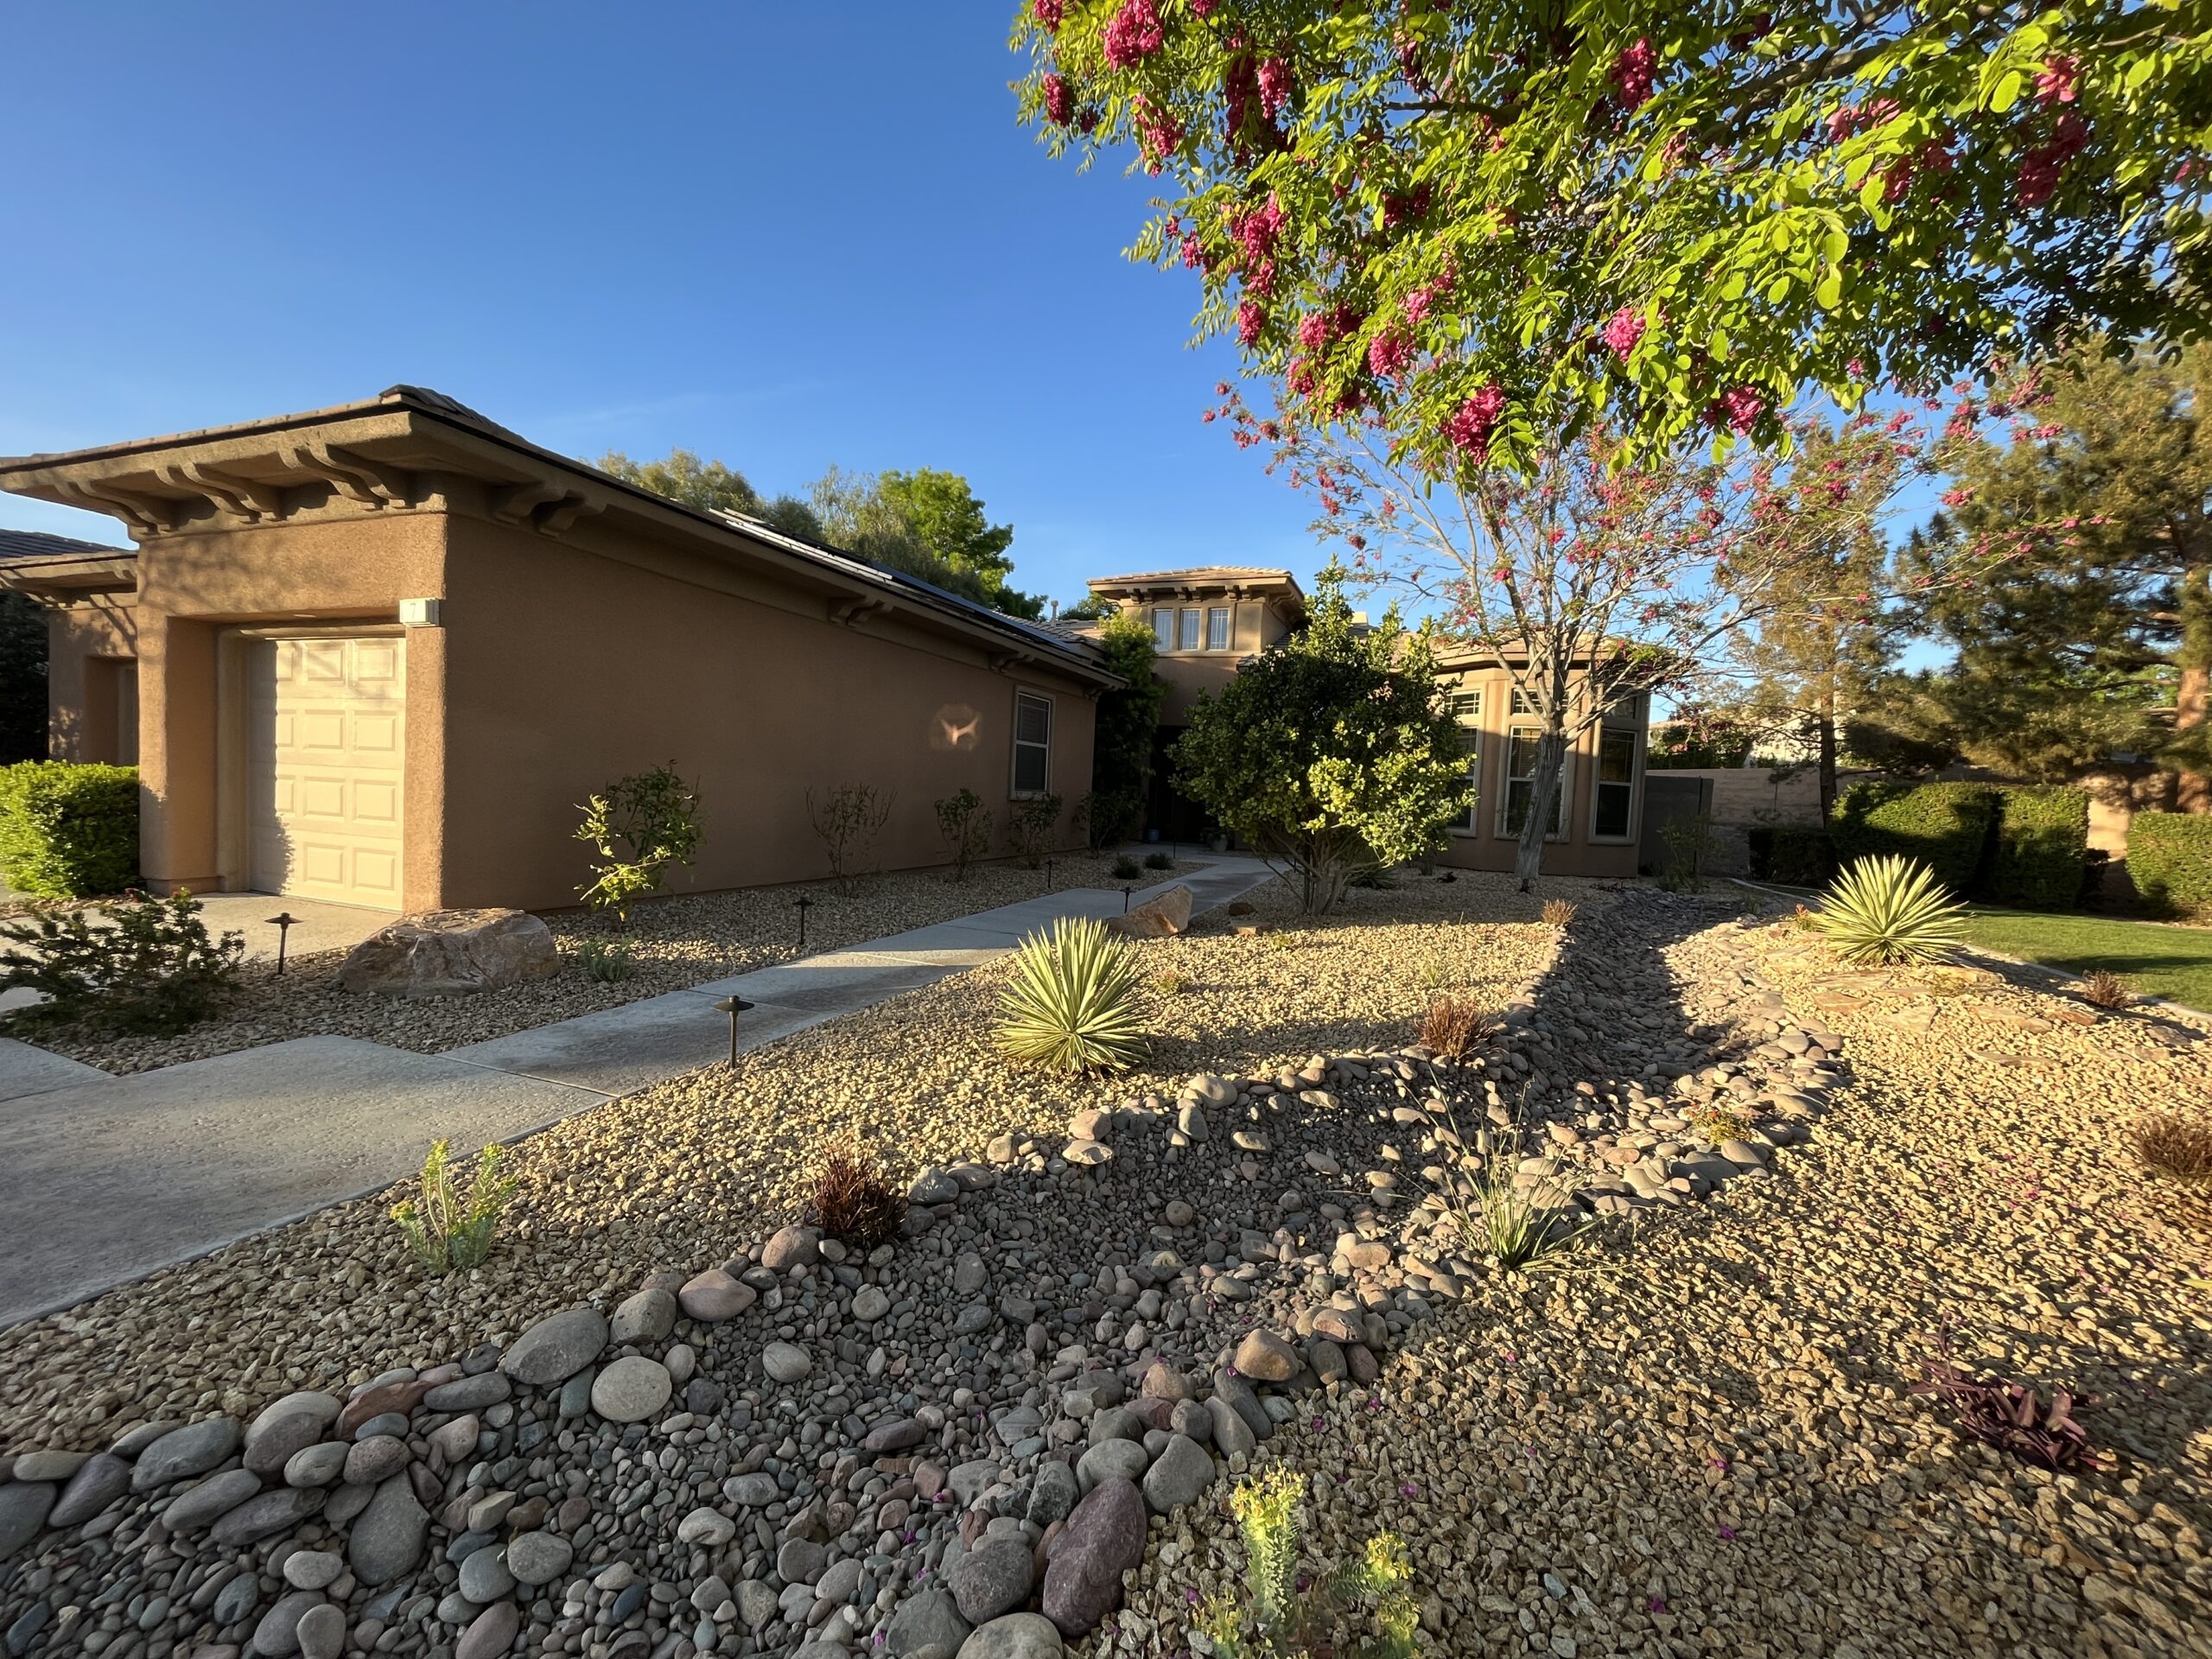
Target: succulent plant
{"points": [[2012, 1417], [1882, 911], [1283, 1614], [1070, 1005]]}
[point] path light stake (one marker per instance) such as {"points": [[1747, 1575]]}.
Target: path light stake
{"points": [[1126, 892], [734, 1006], [1049, 863], [803, 903], [282, 921]]}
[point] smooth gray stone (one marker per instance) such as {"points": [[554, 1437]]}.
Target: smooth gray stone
{"points": [[388, 1537], [24, 1506], [183, 1452], [264, 1516], [926, 1626], [557, 1347], [198, 1508], [91, 1490]]}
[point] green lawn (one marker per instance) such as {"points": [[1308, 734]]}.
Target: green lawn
{"points": [[2156, 960]]}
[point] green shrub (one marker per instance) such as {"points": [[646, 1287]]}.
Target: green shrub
{"points": [[1127, 869], [847, 819], [2041, 849], [1886, 910], [1282, 1614], [638, 825], [1160, 860], [607, 962], [2169, 860], [1029, 827], [151, 969], [1107, 817], [66, 830], [1946, 826], [1794, 854], [444, 1232], [1071, 1004], [965, 824]]}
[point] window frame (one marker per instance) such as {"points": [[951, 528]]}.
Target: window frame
{"points": [[1163, 628], [1471, 713], [1564, 811], [1016, 743], [1190, 624], [1599, 785], [1471, 823], [1227, 615]]}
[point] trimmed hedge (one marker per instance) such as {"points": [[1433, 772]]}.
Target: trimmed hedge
{"points": [[68, 831], [1796, 855], [1945, 826], [2040, 851], [2169, 860]]}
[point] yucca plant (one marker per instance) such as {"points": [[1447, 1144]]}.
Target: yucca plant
{"points": [[1280, 1615], [443, 1230], [1883, 911], [1071, 1004]]}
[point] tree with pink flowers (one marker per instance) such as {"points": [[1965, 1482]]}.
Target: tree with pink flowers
{"points": [[1497, 225]]}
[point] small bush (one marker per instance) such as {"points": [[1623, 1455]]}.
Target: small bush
{"points": [[1158, 860], [1029, 827], [1070, 1005], [607, 962], [1689, 842], [2103, 989], [1792, 854], [152, 968], [1433, 977], [852, 1201], [1282, 1614], [1496, 1219], [2169, 860], [847, 820], [68, 831], [2041, 849], [2177, 1148], [638, 825], [1882, 911], [965, 824], [445, 1232], [1107, 817], [1946, 826], [1127, 869], [1714, 1122], [1453, 1027], [1558, 912], [1171, 983], [2008, 1415]]}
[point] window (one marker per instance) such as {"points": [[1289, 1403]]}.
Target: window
{"points": [[1465, 823], [1521, 785], [1521, 705], [1032, 744], [1217, 628], [1610, 811], [1467, 708], [1188, 639], [1627, 710], [1163, 628]]}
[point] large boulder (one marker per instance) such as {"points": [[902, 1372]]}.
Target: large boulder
{"points": [[451, 953], [1160, 917], [1102, 1540]]}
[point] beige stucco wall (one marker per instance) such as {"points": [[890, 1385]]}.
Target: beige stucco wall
{"points": [[1254, 625], [86, 642], [566, 671]]}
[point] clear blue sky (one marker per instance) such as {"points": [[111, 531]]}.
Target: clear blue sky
{"points": [[781, 235]]}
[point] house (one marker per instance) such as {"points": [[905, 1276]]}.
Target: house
{"points": [[378, 654], [1206, 621], [100, 699]]}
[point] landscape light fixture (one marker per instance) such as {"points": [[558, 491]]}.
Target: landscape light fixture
{"points": [[1049, 863], [282, 921], [1127, 889], [734, 1006], [803, 903]]}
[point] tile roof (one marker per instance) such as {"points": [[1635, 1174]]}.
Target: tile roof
{"points": [[37, 544], [1195, 572]]}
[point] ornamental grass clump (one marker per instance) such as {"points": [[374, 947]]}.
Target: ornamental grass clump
{"points": [[445, 1231], [1455, 1027], [2177, 1148], [2103, 989], [1889, 911], [852, 1200], [1560, 913], [1072, 1004], [1282, 1613]]}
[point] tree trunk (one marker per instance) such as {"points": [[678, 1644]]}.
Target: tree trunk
{"points": [[2193, 788], [1824, 729], [1528, 857]]}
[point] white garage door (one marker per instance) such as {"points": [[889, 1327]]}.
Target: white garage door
{"points": [[328, 722]]}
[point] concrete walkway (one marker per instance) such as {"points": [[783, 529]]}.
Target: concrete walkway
{"points": [[105, 1179]]}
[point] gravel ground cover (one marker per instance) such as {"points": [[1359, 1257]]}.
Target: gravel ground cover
{"points": [[678, 941], [1696, 1440]]}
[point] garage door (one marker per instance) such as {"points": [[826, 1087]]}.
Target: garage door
{"points": [[328, 720]]}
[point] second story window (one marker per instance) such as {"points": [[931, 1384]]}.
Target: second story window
{"points": [[1188, 638], [1217, 628], [1467, 708], [1163, 629]]}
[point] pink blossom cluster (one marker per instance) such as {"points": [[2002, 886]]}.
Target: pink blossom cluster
{"points": [[1958, 497], [1048, 14], [2060, 80], [1739, 409], [2041, 168], [1255, 231], [1423, 299], [1274, 86], [1134, 34], [1159, 133], [1470, 429], [1860, 117], [1059, 100], [1624, 329], [1251, 322], [1194, 252], [1634, 72], [1203, 8], [1390, 354]]}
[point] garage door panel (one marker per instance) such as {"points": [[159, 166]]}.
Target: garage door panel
{"points": [[328, 736]]}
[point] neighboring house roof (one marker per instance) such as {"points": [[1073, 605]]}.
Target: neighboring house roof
{"points": [[393, 449], [37, 544], [1201, 577]]}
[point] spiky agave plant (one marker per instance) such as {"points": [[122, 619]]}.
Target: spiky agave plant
{"points": [[1886, 910], [1279, 1616], [1071, 1004]]}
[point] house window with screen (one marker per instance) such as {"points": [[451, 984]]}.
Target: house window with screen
{"points": [[1521, 705], [1163, 628], [1465, 823], [1521, 785], [1189, 639], [1032, 744], [1217, 628], [1611, 812], [1467, 708]]}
